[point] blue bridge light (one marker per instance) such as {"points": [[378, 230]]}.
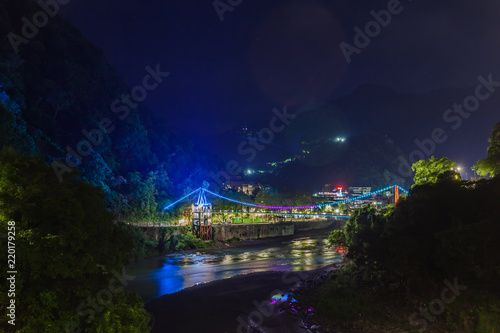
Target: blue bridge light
{"points": [[202, 200]]}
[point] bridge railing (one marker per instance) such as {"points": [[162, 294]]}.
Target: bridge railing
{"points": [[152, 224]]}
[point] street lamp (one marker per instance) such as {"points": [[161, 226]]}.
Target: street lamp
{"points": [[460, 169]]}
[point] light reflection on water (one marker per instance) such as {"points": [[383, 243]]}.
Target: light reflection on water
{"points": [[159, 276]]}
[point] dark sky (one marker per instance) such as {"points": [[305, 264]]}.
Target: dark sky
{"points": [[270, 53]]}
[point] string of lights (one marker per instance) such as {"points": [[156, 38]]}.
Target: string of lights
{"points": [[259, 206], [202, 199], [184, 197], [334, 203], [276, 213], [402, 189], [319, 215]]}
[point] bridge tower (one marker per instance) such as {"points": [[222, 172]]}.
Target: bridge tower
{"points": [[202, 217], [396, 194]]}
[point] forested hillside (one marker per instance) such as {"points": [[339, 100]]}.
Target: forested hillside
{"points": [[58, 91]]}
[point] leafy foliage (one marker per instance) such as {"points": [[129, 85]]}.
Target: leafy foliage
{"points": [[337, 237], [363, 233], [440, 229], [67, 250], [445, 229], [341, 300], [186, 241], [59, 85], [12, 127], [491, 164], [428, 171]]}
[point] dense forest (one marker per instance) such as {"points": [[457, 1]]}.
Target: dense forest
{"points": [[69, 254], [56, 92], [434, 257], [61, 198]]}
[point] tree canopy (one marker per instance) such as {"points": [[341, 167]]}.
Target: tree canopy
{"points": [[428, 171], [68, 249], [441, 228], [491, 164]]}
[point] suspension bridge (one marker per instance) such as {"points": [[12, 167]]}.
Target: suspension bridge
{"points": [[203, 201], [202, 210]]}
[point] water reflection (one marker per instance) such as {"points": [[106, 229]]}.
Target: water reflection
{"points": [[168, 278], [289, 300], [159, 276]]}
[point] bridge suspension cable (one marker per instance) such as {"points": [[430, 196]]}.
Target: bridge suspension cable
{"points": [[184, 197], [334, 203], [259, 206], [284, 207]]}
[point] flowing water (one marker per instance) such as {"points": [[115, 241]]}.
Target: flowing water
{"points": [[164, 275]]}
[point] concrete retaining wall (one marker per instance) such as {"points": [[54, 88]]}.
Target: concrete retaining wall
{"points": [[153, 233], [316, 225], [252, 231]]}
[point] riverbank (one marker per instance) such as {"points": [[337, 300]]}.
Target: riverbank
{"points": [[151, 242], [356, 309], [224, 305], [354, 299], [172, 272], [232, 305]]}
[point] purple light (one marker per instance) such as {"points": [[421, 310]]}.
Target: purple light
{"points": [[260, 206], [202, 199]]}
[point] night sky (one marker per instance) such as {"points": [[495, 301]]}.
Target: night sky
{"points": [[267, 54]]}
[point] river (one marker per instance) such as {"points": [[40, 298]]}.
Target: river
{"points": [[159, 276]]}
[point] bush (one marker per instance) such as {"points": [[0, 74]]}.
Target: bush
{"points": [[336, 237], [68, 248], [186, 241], [341, 298]]}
